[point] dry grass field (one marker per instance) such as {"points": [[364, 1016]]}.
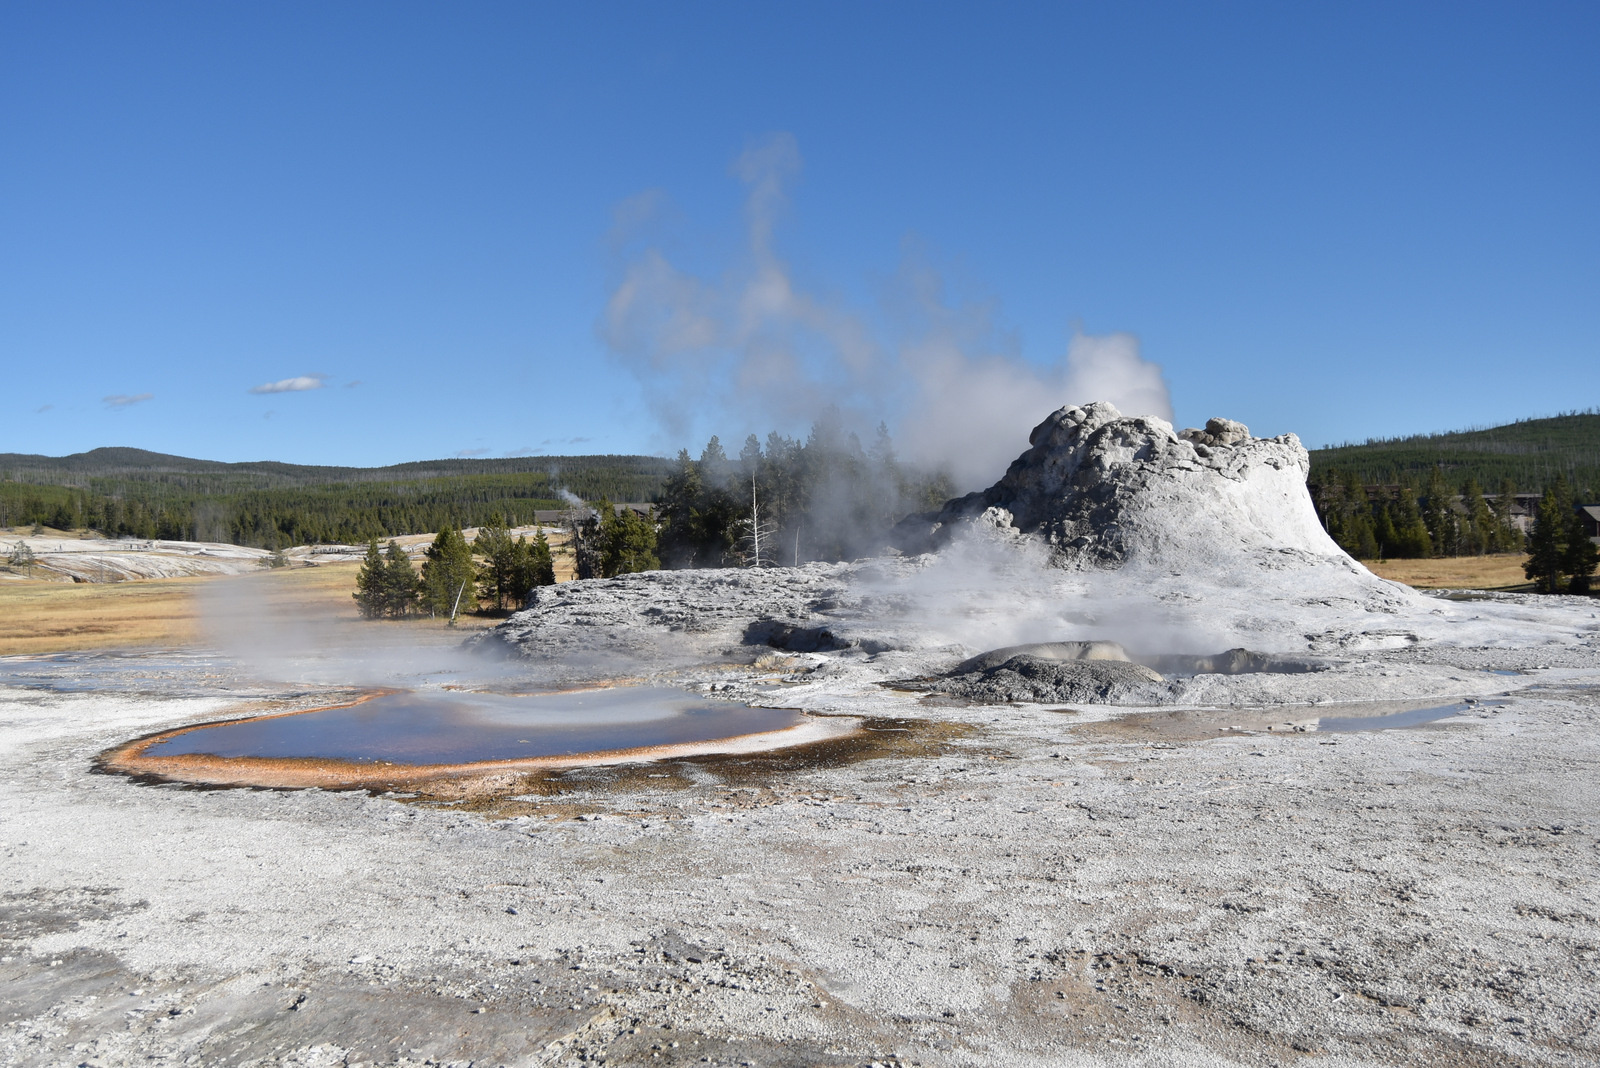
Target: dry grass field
{"points": [[10, 533], [55, 617], [1502, 572], [49, 617], [52, 617]]}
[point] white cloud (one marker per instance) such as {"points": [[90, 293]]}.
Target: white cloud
{"points": [[291, 385], [123, 400]]}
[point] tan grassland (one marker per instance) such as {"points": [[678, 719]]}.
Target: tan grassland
{"points": [[47, 617], [37, 616], [44, 532], [1499, 572]]}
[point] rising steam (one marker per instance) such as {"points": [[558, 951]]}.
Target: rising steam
{"points": [[751, 350]]}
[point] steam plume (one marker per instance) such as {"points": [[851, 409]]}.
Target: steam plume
{"points": [[753, 350]]}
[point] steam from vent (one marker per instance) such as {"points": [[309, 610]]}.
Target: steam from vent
{"points": [[985, 592], [752, 350], [968, 411], [574, 502]]}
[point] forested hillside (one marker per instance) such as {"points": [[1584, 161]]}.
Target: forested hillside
{"points": [[151, 495], [1531, 454]]}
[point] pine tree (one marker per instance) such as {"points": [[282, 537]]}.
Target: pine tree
{"points": [[369, 593], [628, 541], [1546, 544], [1361, 531], [1439, 516], [714, 461], [519, 573], [1579, 556], [497, 576], [680, 499], [447, 575], [701, 510], [531, 566], [1342, 504], [1478, 527], [22, 557], [716, 526], [885, 481], [750, 459], [541, 564], [1507, 538], [400, 583], [781, 479], [1410, 532], [718, 511]]}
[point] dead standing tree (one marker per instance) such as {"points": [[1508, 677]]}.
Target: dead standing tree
{"points": [[583, 528], [759, 544]]}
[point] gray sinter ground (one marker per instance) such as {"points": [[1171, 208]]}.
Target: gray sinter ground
{"points": [[1205, 878]]}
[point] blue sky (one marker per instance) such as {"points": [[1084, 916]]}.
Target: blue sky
{"points": [[1343, 220]]}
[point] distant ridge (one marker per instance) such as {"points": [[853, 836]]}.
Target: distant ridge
{"points": [[119, 461], [1532, 453]]}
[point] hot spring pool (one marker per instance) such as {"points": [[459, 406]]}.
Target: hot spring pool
{"points": [[416, 733]]}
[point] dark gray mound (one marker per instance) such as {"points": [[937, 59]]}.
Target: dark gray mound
{"points": [[794, 637], [1088, 673], [1025, 677], [1232, 662]]}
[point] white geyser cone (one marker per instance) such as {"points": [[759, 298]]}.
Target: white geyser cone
{"points": [[1103, 490]]}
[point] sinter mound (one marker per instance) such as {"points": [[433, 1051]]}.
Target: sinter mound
{"points": [[1091, 672], [1046, 680], [1103, 490]]}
